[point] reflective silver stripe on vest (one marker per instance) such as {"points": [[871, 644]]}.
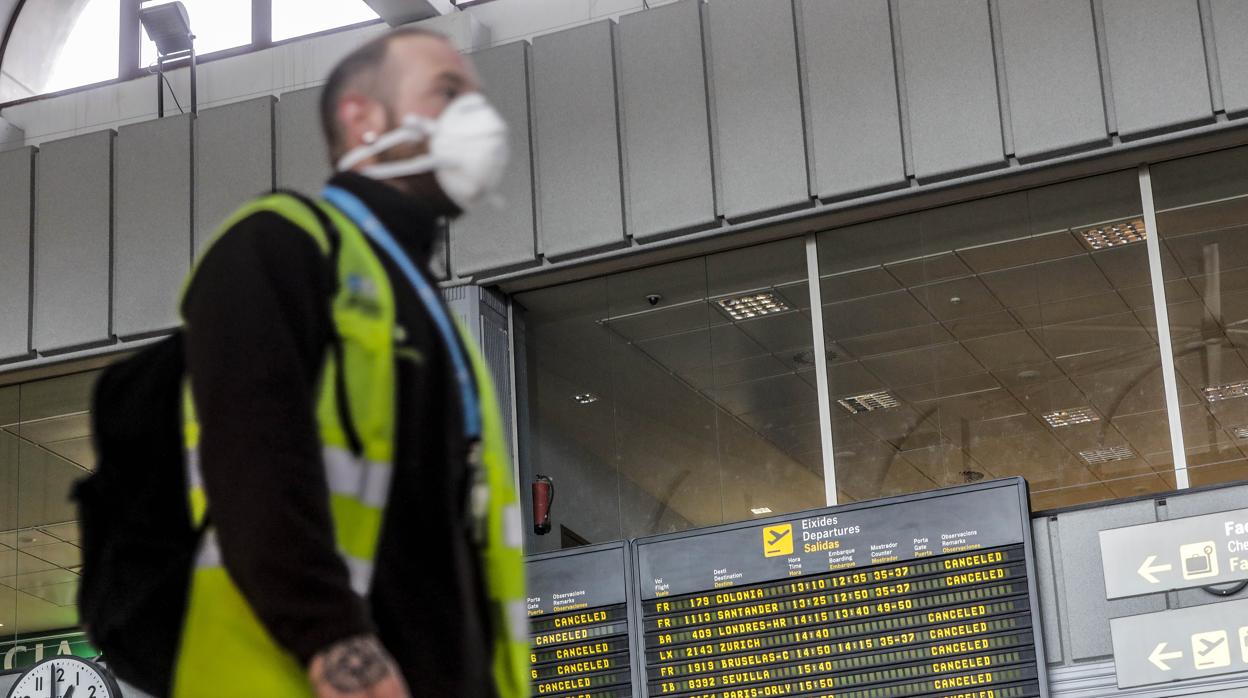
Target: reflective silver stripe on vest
{"points": [[518, 621], [513, 529], [209, 554], [361, 571], [348, 476], [351, 476], [193, 476]]}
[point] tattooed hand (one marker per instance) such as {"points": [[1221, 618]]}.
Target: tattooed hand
{"points": [[358, 667]]}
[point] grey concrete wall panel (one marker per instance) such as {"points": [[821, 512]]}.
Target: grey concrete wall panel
{"points": [[757, 106], [233, 161], [11, 137], [488, 238], [73, 224], [951, 86], [1082, 584], [1230, 26], [577, 140], [851, 96], [1156, 64], [664, 129], [1046, 586], [301, 155], [17, 175], [1052, 76], [152, 239]]}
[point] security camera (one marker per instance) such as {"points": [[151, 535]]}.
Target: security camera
{"points": [[653, 299]]}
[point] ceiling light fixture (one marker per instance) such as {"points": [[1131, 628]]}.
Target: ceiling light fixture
{"points": [[752, 305], [1240, 432], [868, 402], [1070, 417], [1109, 235], [1093, 456], [1229, 391], [585, 398], [759, 511]]}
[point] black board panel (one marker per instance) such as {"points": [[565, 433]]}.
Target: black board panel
{"points": [[580, 622], [927, 595]]}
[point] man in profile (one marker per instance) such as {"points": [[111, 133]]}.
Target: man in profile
{"points": [[344, 440]]}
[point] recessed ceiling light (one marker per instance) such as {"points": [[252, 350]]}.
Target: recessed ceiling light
{"points": [[752, 305], [1109, 235], [585, 398], [1230, 391], [1240, 432], [868, 402], [759, 511], [1104, 455], [1070, 417]]}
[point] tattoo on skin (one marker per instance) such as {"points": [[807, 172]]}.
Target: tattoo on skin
{"points": [[355, 664]]}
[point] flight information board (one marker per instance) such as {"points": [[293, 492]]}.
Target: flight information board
{"points": [[926, 595], [578, 606]]}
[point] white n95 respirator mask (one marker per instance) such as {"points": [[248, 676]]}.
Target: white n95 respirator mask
{"points": [[467, 150]]}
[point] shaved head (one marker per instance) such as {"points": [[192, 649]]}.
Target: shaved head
{"points": [[409, 70]]}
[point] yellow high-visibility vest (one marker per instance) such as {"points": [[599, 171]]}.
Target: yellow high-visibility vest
{"points": [[225, 651]]}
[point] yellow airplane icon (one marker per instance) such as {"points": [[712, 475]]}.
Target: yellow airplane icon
{"points": [[778, 540]]}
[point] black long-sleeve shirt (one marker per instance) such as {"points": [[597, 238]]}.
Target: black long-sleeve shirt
{"points": [[258, 327]]}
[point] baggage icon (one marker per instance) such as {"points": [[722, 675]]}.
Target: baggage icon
{"points": [[1200, 560]]}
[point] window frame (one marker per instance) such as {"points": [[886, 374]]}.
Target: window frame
{"points": [[131, 41], [1143, 179]]}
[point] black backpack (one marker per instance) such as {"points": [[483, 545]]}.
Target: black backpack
{"points": [[138, 544]]}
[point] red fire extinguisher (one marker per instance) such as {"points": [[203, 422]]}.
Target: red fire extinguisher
{"points": [[543, 498]]}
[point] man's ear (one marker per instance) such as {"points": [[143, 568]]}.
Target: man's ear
{"points": [[361, 119]]}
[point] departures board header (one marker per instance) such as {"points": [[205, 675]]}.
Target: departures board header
{"points": [[842, 538], [577, 579]]}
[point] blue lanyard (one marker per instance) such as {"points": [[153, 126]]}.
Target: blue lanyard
{"points": [[355, 209]]}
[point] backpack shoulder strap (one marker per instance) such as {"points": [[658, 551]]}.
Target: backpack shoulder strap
{"points": [[333, 237]]}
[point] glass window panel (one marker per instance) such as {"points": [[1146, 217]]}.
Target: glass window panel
{"points": [[992, 339], [49, 51], [45, 447], [671, 397], [216, 24], [293, 18], [1202, 217], [9, 474]]}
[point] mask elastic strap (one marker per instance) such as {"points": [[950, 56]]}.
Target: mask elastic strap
{"points": [[400, 168], [409, 132]]}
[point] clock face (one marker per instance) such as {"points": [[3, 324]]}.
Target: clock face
{"points": [[65, 677]]}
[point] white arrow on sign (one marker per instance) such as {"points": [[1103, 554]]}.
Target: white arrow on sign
{"points": [[1148, 568], [1160, 656]]}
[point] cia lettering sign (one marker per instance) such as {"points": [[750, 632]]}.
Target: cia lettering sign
{"points": [[1187, 643], [29, 651], [1191, 552]]}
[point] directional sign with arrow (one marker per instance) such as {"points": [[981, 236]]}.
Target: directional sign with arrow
{"points": [[1154, 647], [1179, 554], [1160, 656], [1148, 568]]}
